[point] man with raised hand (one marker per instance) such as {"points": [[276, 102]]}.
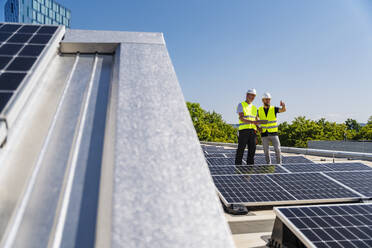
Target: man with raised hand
{"points": [[247, 128], [269, 130]]}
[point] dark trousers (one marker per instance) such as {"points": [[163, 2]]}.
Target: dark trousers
{"points": [[247, 137]]}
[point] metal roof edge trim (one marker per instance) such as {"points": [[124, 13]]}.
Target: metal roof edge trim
{"points": [[102, 36]]}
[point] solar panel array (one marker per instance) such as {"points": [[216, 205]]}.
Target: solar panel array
{"points": [[288, 183], [347, 225], [20, 47], [360, 181], [245, 169]]}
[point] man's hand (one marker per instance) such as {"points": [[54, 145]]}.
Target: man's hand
{"points": [[282, 105]]}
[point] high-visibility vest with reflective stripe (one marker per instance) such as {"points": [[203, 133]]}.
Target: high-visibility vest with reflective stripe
{"points": [[272, 125], [250, 113]]}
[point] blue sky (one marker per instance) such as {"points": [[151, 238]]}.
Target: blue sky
{"points": [[314, 55]]}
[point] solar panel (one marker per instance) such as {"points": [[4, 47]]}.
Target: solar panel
{"points": [[20, 38], [47, 30], [11, 81], [40, 39], [10, 49], [4, 36], [347, 166], [21, 64], [224, 170], [261, 169], [4, 60], [347, 225], [249, 190], [360, 181], [214, 155], [4, 98], [308, 167], [276, 189], [245, 169], [312, 186], [32, 50], [222, 161], [295, 159], [9, 27], [260, 159], [29, 29], [20, 47]]}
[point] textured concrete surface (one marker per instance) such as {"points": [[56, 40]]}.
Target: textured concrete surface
{"points": [[163, 193], [253, 240], [350, 146]]}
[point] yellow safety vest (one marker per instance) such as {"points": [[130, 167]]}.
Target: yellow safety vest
{"points": [[250, 113], [272, 125]]}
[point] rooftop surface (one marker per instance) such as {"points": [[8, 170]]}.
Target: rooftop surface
{"points": [[255, 228]]}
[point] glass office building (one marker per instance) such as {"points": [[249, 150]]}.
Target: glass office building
{"points": [[37, 12]]}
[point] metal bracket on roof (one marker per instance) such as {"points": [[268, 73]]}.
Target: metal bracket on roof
{"points": [[3, 131]]}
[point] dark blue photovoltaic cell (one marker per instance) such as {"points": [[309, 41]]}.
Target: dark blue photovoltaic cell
{"points": [[306, 167], [10, 49], [32, 50], [360, 181], [245, 169], [224, 170], [309, 186], [21, 64], [260, 169], [295, 159], [20, 38], [4, 98], [9, 27], [11, 81], [214, 155], [238, 189], [4, 36], [347, 225], [40, 39], [347, 166], [4, 61], [47, 30], [29, 29], [222, 161]]}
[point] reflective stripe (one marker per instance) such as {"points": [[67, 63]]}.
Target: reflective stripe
{"points": [[250, 113], [270, 127], [241, 124]]}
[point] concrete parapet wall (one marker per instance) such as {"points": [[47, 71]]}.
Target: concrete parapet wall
{"points": [[349, 146]]}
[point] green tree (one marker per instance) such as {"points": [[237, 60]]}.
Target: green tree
{"points": [[366, 132], [302, 130], [352, 124], [210, 126], [369, 120]]}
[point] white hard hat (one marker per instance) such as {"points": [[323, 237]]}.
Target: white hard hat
{"points": [[267, 95], [252, 91]]}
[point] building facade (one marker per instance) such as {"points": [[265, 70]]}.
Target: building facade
{"points": [[37, 12]]}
